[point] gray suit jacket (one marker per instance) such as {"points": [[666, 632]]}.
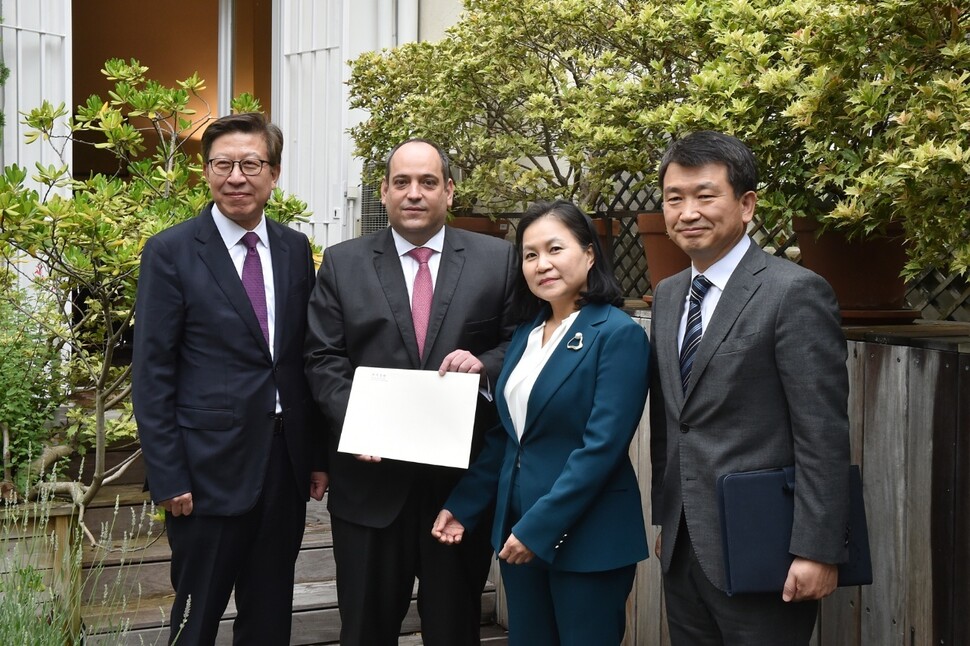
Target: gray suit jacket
{"points": [[769, 388], [359, 315]]}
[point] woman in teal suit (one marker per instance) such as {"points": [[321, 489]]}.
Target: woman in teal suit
{"points": [[568, 522]]}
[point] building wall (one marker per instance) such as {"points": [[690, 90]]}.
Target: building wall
{"points": [[435, 16], [173, 49], [36, 47]]}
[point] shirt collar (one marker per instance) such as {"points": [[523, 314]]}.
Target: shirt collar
{"points": [[435, 243], [232, 233], [720, 272]]}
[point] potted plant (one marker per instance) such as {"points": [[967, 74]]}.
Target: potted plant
{"points": [[884, 113], [508, 93], [490, 226], [664, 257], [854, 105], [855, 112]]}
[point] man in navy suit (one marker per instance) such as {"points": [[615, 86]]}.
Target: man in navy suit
{"points": [[756, 380], [361, 315], [232, 441]]}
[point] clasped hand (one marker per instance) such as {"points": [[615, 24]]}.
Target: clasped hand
{"points": [[448, 530]]}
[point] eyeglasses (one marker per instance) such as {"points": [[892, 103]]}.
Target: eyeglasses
{"points": [[248, 167]]}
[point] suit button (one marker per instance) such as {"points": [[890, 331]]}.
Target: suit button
{"points": [[684, 428]]}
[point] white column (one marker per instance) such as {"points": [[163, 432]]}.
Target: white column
{"points": [[227, 51]]}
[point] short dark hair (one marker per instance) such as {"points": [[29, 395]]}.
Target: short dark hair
{"points": [[445, 162], [248, 122], [601, 284], [709, 147]]}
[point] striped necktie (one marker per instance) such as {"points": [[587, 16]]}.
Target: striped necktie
{"points": [[694, 330]]}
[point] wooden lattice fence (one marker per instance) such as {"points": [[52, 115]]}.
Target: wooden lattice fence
{"points": [[935, 296]]}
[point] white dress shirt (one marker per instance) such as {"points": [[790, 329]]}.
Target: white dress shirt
{"points": [[518, 388], [410, 266], [719, 274]]}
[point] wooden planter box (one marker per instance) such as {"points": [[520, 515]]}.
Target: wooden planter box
{"points": [[46, 541]]}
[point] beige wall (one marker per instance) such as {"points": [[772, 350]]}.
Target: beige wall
{"points": [[434, 16], [174, 40]]}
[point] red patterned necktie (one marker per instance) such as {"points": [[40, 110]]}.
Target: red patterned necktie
{"points": [[421, 295], [252, 280]]}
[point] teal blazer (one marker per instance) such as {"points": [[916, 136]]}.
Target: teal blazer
{"points": [[581, 508]]}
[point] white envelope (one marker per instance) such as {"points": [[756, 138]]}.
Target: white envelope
{"points": [[411, 415]]}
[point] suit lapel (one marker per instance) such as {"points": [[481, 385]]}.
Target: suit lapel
{"points": [[669, 320], [513, 353], [564, 361], [744, 282], [391, 276], [213, 252], [280, 253]]}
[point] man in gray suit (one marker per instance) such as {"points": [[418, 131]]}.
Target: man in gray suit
{"points": [[749, 374], [419, 295]]}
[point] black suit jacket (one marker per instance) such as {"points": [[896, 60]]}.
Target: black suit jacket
{"points": [[360, 315], [204, 383]]}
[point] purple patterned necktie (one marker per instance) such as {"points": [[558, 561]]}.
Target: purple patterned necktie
{"points": [[421, 295], [252, 280]]}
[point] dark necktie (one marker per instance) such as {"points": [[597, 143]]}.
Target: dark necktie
{"points": [[694, 331], [421, 295], [252, 280]]}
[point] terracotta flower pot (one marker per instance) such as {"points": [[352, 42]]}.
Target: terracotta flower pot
{"points": [[864, 272], [664, 257], [605, 241], [498, 227]]}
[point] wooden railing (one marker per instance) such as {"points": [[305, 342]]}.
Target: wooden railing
{"points": [[909, 408]]}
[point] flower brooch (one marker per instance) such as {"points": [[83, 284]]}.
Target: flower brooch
{"points": [[575, 343]]}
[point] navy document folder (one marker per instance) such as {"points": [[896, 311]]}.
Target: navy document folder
{"points": [[757, 509]]}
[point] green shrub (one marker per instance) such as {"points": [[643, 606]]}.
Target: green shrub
{"points": [[32, 380], [858, 112]]}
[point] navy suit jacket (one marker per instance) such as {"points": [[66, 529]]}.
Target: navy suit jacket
{"points": [[204, 383], [768, 388], [360, 315], [581, 507]]}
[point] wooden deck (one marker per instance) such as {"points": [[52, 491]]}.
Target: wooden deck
{"points": [[909, 409], [141, 594]]}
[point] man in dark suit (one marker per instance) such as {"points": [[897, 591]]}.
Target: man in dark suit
{"points": [[749, 374], [232, 441], [361, 315]]}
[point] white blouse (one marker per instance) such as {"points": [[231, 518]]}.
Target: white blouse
{"points": [[519, 386]]}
